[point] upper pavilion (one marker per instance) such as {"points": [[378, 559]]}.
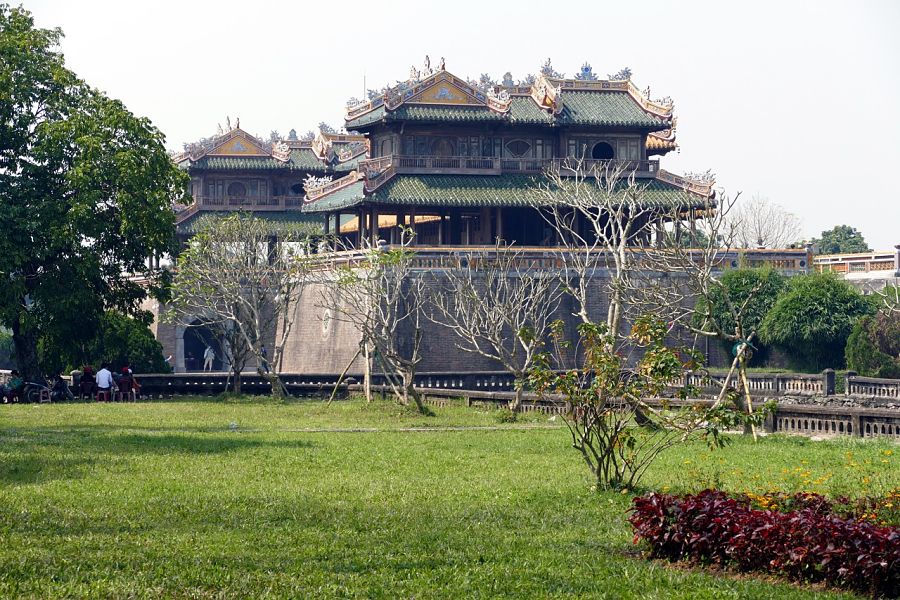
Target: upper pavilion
{"points": [[462, 164], [237, 171]]}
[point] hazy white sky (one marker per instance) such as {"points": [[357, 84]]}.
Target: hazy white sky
{"points": [[791, 100]]}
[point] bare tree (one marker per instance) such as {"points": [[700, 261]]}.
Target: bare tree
{"points": [[890, 297], [499, 305], [693, 289], [237, 275], [377, 291], [605, 223], [760, 223], [600, 215]]}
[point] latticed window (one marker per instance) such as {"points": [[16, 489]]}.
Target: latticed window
{"points": [[236, 189], [518, 148]]}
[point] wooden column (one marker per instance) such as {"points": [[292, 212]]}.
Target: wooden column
{"points": [[373, 216], [398, 231], [441, 228], [412, 225], [484, 222], [499, 223], [361, 227]]}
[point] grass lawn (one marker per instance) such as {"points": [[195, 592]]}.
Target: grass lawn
{"points": [[238, 499]]}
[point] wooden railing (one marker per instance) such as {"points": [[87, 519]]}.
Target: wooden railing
{"points": [[255, 203], [492, 165]]}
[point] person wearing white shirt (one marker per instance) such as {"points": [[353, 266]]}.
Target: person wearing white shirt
{"points": [[104, 383], [208, 357]]}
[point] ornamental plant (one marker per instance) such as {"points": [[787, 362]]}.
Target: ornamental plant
{"points": [[617, 417], [810, 544]]}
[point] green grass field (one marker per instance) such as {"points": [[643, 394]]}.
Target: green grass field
{"points": [[256, 499]]}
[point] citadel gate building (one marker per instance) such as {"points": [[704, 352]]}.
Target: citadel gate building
{"points": [[459, 164]]}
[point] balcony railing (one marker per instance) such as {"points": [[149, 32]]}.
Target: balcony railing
{"points": [[789, 261], [492, 165], [257, 203]]}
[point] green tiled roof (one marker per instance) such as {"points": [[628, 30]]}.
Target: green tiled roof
{"points": [[304, 159], [350, 165], [523, 109], [617, 109], [443, 113], [366, 118], [589, 108], [279, 220], [475, 191], [351, 195], [239, 162], [301, 159]]}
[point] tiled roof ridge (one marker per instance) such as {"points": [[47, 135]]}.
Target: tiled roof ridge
{"points": [[409, 90], [545, 91], [279, 150]]}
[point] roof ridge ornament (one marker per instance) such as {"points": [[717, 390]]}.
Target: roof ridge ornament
{"points": [[587, 73], [281, 151], [624, 74], [547, 95]]}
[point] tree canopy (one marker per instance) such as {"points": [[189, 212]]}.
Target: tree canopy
{"points": [[873, 348], [746, 295], [86, 190], [813, 318], [842, 239]]}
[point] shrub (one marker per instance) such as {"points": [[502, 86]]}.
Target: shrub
{"points": [[756, 290], [812, 320], [873, 348], [808, 544]]}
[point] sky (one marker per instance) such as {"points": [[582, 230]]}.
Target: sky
{"points": [[790, 100]]}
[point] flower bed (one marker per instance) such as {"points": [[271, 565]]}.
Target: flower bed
{"points": [[812, 540]]}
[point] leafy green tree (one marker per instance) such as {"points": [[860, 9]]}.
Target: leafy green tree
{"points": [[813, 318], [843, 239], [6, 350], [86, 190], [737, 307], [118, 339], [873, 348]]}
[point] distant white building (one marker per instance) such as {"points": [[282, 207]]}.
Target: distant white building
{"points": [[868, 271]]}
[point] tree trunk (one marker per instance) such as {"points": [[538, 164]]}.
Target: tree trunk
{"points": [[279, 391], [367, 372], [236, 373], [517, 400], [25, 341], [409, 390], [748, 408]]}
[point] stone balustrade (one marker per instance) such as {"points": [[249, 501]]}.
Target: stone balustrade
{"points": [[872, 387], [768, 384]]}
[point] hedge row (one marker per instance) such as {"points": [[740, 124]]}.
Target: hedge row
{"points": [[807, 545]]}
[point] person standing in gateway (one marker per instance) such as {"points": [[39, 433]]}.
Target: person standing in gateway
{"points": [[208, 357]]}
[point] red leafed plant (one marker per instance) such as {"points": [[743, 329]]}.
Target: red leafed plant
{"points": [[809, 543]]}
